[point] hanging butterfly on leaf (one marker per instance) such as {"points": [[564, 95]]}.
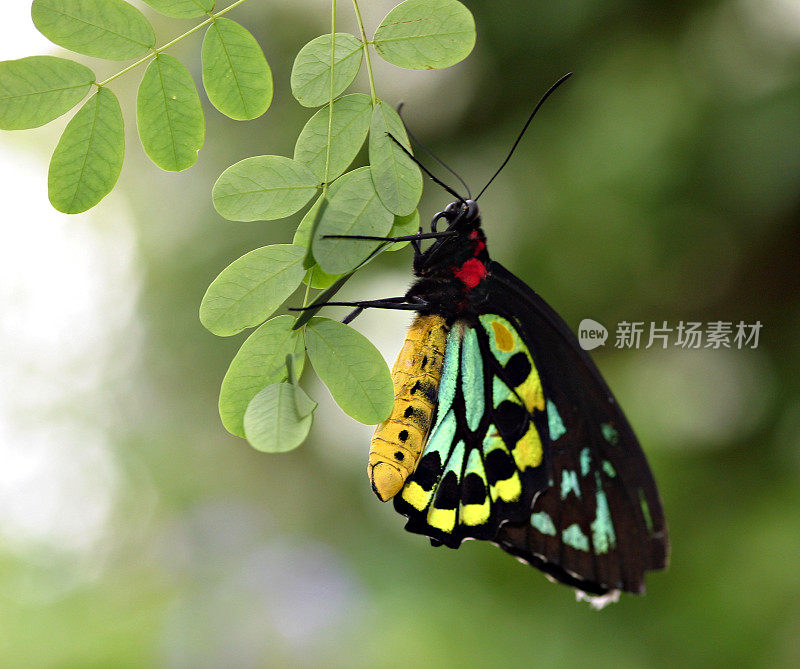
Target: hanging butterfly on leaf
{"points": [[503, 429]]}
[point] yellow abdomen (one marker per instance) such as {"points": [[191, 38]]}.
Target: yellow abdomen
{"points": [[398, 441]]}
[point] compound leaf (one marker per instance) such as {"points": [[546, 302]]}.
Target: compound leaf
{"points": [[278, 418], [236, 74], [426, 34], [249, 290], [263, 188], [182, 9], [348, 130], [311, 72], [38, 89], [353, 208], [111, 29], [260, 361], [169, 115], [88, 159], [352, 368], [398, 180]]}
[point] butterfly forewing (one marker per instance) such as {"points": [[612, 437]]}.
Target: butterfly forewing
{"points": [[600, 525]]}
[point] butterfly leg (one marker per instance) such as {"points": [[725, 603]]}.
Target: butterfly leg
{"points": [[399, 303], [416, 237], [352, 315], [396, 303]]}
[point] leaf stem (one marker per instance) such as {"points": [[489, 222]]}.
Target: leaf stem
{"points": [[366, 53], [330, 99], [211, 18], [308, 288]]}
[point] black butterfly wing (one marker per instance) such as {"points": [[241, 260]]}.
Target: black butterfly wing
{"points": [[599, 526]]}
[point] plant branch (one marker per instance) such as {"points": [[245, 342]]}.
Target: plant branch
{"points": [[211, 18], [366, 53], [330, 100]]}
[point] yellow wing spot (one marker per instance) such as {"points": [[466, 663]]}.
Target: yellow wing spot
{"points": [[528, 450], [475, 514], [502, 337], [442, 519], [508, 490], [531, 390], [416, 496]]}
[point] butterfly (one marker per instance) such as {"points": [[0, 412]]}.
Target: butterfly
{"points": [[503, 428]]}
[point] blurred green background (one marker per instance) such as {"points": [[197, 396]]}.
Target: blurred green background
{"points": [[662, 183]]}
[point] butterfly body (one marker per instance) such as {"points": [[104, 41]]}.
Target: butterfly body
{"points": [[399, 440], [523, 443]]}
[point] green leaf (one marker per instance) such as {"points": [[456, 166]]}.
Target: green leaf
{"points": [[263, 188], [426, 34], [278, 418], [182, 9], [249, 290], [398, 180], [38, 89], [88, 159], [169, 115], [404, 225], [111, 29], [314, 277], [302, 235], [349, 127], [260, 361], [352, 368], [353, 209], [311, 72], [235, 72], [291, 372]]}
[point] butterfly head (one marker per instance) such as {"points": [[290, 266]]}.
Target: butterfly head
{"points": [[461, 255], [460, 215]]}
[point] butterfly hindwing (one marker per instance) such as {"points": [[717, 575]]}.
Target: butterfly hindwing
{"points": [[599, 526], [484, 459]]}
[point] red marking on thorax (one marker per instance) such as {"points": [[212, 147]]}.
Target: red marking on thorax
{"points": [[471, 272], [479, 246]]}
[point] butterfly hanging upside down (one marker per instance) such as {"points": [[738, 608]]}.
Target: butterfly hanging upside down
{"points": [[503, 428]]}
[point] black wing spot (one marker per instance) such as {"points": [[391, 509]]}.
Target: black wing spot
{"points": [[499, 466], [407, 413], [517, 369], [402, 435], [399, 456], [473, 491], [511, 420], [447, 492], [427, 471]]}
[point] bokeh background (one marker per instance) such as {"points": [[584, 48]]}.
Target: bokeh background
{"points": [[661, 183]]}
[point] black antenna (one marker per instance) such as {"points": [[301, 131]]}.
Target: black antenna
{"points": [[525, 127], [436, 179], [433, 155]]}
